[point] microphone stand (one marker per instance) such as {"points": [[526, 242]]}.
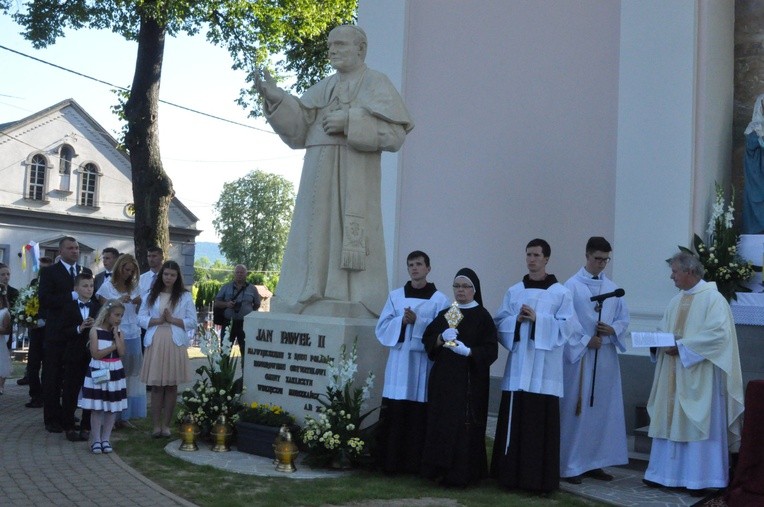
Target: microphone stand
{"points": [[596, 354]]}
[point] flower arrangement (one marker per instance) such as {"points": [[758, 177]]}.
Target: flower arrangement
{"points": [[719, 255], [27, 307], [217, 392], [334, 437], [266, 415]]}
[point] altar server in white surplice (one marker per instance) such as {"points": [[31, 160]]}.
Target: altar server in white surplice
{"points": [[592, 426], [406, 314], [696, 402], [534, 321]]}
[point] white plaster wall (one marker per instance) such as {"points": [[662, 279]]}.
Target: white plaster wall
{"points": [[46, 137], [115, 191], [674, 140], [556, 119], [515, 106], [385, 32], [16, 237]]}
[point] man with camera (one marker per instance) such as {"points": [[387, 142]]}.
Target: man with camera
{"points": [[237, 299]]}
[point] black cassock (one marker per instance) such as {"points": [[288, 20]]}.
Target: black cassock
{"points": [[457, 399]]}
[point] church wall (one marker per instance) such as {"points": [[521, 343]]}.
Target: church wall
{"points": [[515, 106], [674, 140], [46, 137], [559, 120], [106, 224], [385, 30]]}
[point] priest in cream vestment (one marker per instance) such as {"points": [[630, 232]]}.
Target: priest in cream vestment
{"points": [[696, 401], [334, 262]]}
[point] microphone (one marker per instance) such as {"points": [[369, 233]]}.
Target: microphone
{"points": [[602, 297]]}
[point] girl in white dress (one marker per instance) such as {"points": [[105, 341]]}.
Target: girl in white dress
{"points": [[105, 398]]}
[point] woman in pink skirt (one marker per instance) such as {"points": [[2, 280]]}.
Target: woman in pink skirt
{"points": [[168, 315]]}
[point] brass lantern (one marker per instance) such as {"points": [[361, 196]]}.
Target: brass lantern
{"points": [[221, 433], [286, 451], [189, 431]]}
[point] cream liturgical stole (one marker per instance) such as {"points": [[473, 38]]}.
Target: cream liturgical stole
{"points": [[681, 319]]}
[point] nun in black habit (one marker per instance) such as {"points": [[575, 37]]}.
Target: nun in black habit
{"points": [[457, 394]]}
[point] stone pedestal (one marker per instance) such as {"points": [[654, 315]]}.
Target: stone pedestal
{"points": [[286, 356]]}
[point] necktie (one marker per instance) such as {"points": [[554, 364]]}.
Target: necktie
{"points": [[595, 277], [72, 272], [84, 305], [106, 275]]}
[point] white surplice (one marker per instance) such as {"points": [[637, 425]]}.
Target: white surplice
{"points": [[407, 367], [535, 365], [596, 437]]}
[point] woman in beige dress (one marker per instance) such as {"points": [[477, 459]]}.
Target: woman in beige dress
{"points": [[169, 316]]}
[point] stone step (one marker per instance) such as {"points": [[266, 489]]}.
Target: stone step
{"points": [[642, 442]]}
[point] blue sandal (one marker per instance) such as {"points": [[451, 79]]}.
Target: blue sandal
{"points": [[106, 447], [96, 448]]}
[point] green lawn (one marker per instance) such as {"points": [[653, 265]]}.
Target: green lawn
{"points": [[208, 486]]}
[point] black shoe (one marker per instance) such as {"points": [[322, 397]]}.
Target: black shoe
{"points": [[84, 435], [651, 484], [697, 493], [576, 479], [74, 436], [23, 381], [599, 474], [54, 428], [34, 404]]}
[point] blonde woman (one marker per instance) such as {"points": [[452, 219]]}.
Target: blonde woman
{"points": [[123, 287]]}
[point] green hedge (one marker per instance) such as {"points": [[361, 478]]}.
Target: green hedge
{"points": [[206, 292]]}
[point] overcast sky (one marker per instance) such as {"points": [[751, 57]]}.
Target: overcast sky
{"points": [[199, 153]]}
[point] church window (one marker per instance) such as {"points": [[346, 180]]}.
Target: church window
{"points": [[88, 185], [66, 155], [37, 169]]}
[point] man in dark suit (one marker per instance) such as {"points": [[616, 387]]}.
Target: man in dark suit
{"points": [[77, 319], [56, 291], [108, 257]]}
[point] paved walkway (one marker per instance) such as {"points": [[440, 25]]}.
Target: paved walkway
{"points": [[40, 468]]}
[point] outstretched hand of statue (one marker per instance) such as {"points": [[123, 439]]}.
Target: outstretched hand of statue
{"points": [[266, 86]]}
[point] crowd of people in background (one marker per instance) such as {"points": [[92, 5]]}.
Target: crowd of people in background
{"points": [[561, 414], [101, 342], [87, 348]]}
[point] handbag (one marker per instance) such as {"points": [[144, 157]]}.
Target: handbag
{"points": [[100, 376], [218, 317]]}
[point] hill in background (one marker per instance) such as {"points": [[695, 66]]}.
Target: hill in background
{"points": [[209, 250]]}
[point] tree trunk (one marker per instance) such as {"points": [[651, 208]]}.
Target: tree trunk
{"points": [[152, 188]]}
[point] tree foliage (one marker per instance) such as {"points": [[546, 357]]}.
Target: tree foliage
{"points": [[251, 31], [253, 215], [205, 269]]}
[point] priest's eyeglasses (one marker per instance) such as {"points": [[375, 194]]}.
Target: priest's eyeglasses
{"points": [[602, 260], [463, 286]]}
